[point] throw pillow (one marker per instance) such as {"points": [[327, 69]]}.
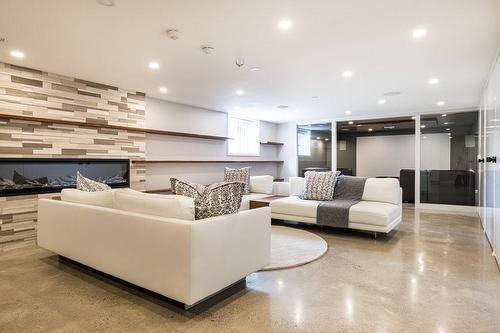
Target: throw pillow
{"points": [[89, 185], [319, 185], [212, 200], [238, 175]]}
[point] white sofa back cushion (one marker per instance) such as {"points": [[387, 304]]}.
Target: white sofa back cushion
{"points": [[383, 190], [99, 198], [173, 206], [296, 185], [261, 184]]}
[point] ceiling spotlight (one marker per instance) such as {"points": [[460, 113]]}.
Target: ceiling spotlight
{"points": [[433, 81], [351, 122], [447, 129], [348, 112], [163, 89], [419, 33], [347, 74], [240, 92], [326, 139], [173, 34], [318, 138], [381, 101], [107, 3], [370, 129], [440, 103], [17, 54], [413, 118], [254, 69], [446, 123], [153, 65], [422, 126], [450, 137], [285, 24]]}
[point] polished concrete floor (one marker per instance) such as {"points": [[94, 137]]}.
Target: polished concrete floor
{"points": [[436, 274]]}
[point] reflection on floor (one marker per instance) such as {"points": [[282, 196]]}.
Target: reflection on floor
{"points": [[435, 274]]}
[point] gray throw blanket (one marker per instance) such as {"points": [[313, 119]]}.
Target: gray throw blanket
{"points": [[348, 192]]}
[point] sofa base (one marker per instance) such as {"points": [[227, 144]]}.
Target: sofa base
{"points": [[197, 307]]}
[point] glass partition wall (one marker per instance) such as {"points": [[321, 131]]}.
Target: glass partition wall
{"points": [[314, 147]]}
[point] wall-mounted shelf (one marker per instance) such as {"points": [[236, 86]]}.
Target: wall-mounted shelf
{"points": [[200, 161], [117, 127], [272, 143]]}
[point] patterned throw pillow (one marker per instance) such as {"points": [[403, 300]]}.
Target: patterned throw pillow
{"points": [[238, 175], [89, 185], [319, 185], [212, 200]]}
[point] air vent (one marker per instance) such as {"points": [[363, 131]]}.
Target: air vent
{"points": [[282, 106], [392, 93]]}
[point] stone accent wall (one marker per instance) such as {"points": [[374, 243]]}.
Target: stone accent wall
{"points": [[29, 92]]}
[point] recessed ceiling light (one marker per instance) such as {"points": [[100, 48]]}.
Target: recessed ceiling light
{"points": [[351, 122], [347, 74], [413, 117], [255, 69], [447, 129], [285, 24], [440, 103], [449, 133], [381, 101], [446, 123], [433, 81], [326, 139], [370, 129], [348, 112], [163, 89], [419, 33], [390, 127], [318, 138], [422, 126], [17, 54], [240, 92], [450, 137], [153, 65], [107, 3]]}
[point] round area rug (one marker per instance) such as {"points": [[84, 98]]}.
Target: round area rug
{"points": [[294, 247]]}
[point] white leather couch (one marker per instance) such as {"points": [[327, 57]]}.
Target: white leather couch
{"points": [[380, 209], [178, 257], [260, 187]]}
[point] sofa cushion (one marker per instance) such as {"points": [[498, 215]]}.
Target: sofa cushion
{"points": [[296, 206], [238, 175], [89, 185], [374, 213], [319, 185], [261, 184], [99, 198], [383, 190], [173, 206], [296, 185]]}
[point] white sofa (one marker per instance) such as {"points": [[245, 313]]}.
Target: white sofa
{"points": [[183, 259], [380, 209], [260, 187]]}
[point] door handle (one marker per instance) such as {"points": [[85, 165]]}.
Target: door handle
{"points": [[480, 160], [492, 159]]}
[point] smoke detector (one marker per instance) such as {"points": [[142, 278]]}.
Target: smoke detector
{"points": [[208, 49], [173, 34]]}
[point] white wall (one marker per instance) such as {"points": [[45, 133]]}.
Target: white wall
{"points": [[384, 155], [182, 118], [287, 133], [435, 151]]}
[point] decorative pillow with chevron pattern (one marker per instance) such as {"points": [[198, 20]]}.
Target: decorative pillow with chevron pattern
{"points": [[319, 185]]}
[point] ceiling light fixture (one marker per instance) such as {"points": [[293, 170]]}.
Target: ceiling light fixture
{"points": [[381, 101], [173, 34], [419, 33], [254, 69], [370, 129], [153, 65], [447, 129], [17, 54], [433, 81], [446, 123], [348, 112], [163, 89], [347, 74], [422, 126], [318, 138], [440, 103], [240, 92], [413, 118], [285, 24], [351, 122], [326, 139]]}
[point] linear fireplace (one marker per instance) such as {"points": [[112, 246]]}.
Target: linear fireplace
{"points": [[41, 175]]}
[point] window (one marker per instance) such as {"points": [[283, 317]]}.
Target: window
{"points": [[244, 134], [304, 143]]}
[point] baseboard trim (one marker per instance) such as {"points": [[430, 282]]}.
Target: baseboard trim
{"points": [[447, 209]]}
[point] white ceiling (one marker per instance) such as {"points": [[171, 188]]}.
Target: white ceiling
{"points": [[113, 45]]}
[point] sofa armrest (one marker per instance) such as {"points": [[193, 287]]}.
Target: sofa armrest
{"points": [[281, 188], [225, 249]]}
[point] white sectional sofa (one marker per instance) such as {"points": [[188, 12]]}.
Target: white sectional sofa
{"points": [[260, 187], [380, 209], [132, 238]]}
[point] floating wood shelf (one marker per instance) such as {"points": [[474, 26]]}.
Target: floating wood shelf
{"points": [[199, 161], [117, 127], [272, 143]]}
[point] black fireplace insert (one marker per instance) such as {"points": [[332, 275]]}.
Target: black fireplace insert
{"points": [[45, 175]]}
